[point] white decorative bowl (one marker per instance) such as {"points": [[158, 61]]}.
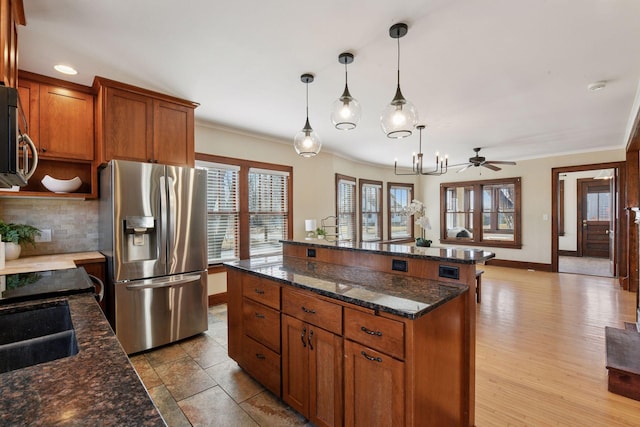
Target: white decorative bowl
{"points": [[61, 185]]}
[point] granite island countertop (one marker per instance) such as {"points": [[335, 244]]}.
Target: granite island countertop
{"points": [[404, 296], [97, 386], [453, 255]]}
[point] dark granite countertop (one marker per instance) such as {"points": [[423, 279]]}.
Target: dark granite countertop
{"points": [[41, 284], [455, 255], [97, 386], [404, 296]]}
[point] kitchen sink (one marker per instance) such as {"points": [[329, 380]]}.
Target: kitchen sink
{"points": [[35, 334]]}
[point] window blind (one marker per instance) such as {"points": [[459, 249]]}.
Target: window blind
{"points": [[222, 211], [371, 204], [346, 208], [268, 210], [399, 198]]}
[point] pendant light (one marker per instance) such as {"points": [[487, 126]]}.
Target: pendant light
{"points": [[346, 110], [400, 116], [307, 142]]}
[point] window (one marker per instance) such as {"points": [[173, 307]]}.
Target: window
{"points": [[248, 207], [485, 213], [346, 207], [268, 210], [370, 210], [399, 196]]}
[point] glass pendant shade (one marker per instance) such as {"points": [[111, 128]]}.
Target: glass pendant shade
{"points": [[399, 118], [346, 110], [307, 142]]}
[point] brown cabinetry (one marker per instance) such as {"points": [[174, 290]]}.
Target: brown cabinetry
{"points": [[254, 327], [141, 125], [11, 15], [58, 116], [312, 358]]}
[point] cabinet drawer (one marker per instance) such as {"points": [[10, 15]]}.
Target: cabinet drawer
{"points": [[379, 333], [310, 309], [262, 290], [262, 364], [262, 324]]}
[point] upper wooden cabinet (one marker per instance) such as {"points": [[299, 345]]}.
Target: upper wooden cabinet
{"points": [[11, 15], [59, 116], [141, 125]]}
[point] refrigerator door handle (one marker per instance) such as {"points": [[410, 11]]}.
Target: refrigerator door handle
{"points": [[164, 235], [171, 221], [164, 282]]}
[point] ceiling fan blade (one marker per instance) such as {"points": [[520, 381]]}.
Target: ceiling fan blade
{"points": [[459, 164], [498, 162], [490, 166], [465, 168]]}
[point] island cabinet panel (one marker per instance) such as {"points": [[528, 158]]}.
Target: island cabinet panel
{"points": [[312, 309], [141, 125], [254, 328], [312, 371], [374, 385]]}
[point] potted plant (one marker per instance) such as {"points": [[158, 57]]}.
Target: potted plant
{"points": [[417, 209], [320, 233], [16, 235]]}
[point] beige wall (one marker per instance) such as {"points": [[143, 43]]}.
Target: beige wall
{"points": [[536, 199]]}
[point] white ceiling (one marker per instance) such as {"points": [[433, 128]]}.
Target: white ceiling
{"points": [[508, 76]]}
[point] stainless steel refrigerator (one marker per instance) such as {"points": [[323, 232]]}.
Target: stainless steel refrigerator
{"points": [[153, 234]]}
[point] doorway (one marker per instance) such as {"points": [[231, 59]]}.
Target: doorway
{"points": [[586, 215]]}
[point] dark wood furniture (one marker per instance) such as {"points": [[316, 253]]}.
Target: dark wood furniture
{"points": [[623, 363]]}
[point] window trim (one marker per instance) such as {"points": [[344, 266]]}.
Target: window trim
{"points": [[361, 183], [410, 186], [243, 184], [477, 239], [340, 177]]}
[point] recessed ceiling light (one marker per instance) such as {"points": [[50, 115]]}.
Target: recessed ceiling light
{"points": [[65, 69], [597, 85]]}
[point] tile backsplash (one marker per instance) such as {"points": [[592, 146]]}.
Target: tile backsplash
{"points": [[73, 223]]}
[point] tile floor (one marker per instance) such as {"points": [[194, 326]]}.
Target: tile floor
{"points": [[195, 383]]}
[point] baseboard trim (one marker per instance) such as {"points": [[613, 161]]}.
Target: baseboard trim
{"points": [[567, 253], [523, 265], [217, 299]]}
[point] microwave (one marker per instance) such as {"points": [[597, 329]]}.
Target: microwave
{"points": [[14, 145]]}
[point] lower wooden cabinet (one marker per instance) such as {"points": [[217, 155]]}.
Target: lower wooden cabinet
{"points": [[312, 371], [374, 387]]}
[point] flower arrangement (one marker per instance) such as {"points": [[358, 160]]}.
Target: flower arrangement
{"points": [[418, 211]]}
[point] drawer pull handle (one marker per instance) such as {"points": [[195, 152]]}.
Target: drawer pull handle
{"points": [[310, 336], [373, 359], [304, 331], [260, 356], [308, 310], [259, 291], [370, 332], [259, 316]]}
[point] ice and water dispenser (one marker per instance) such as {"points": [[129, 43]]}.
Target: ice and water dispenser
{"points": [[141, 238]]}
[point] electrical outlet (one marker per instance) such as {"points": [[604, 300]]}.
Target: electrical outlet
{"points": [[45, 235]]}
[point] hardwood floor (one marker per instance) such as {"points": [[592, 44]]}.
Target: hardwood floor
{"points": [[540, 356]]}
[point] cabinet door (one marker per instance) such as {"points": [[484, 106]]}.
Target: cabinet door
{"points": [[325, 377], [374, 387], [295, 364], [173, 134], [128, 126], [66, 123], [29, 93]]}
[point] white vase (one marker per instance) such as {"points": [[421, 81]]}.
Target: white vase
{"points": [[11, 251]]}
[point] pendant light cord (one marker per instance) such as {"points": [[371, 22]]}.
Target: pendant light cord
{"points": [[398, 40], [307, 86]]}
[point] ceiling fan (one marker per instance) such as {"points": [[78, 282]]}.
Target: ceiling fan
{"points": [[478, 160]]}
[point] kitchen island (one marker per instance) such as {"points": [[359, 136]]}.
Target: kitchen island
{"points": [[96, 386], [359, 334]]}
